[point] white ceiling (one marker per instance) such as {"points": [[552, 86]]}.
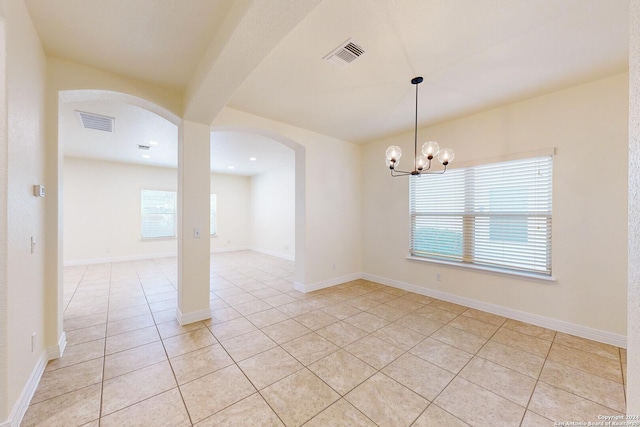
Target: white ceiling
{"points": [[473, 54], [135, 125]]}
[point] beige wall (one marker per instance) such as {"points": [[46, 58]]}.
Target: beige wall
{"points": [[587, 124], [102, 210], [273, 211], [25, 80]]}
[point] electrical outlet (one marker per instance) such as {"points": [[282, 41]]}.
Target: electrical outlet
{"points": [[438, 277], [196, 233]]}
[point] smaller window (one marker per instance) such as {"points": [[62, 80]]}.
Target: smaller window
{"points": [[158, 209], [214, 215]]}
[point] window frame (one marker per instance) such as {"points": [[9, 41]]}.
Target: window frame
{"points": [[143, 215], [462, 251]]}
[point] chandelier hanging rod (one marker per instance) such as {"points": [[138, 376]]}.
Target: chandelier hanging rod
{"points": [[430, 149]]}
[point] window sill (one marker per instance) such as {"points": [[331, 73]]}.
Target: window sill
{"points": [[481, 268]]}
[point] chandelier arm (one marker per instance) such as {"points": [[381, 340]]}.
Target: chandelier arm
{"points": [[436, 173], [399, 173]]}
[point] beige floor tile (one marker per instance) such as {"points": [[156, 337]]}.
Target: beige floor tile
{"points": [[341, 311], [248, 345], [310, 348], [458, 338], [199, 363], [214, 392], [341, 333], [559, 405], [399, 336], [388, 312], [252, 411], [173, 328], [285, 331], [315, 320], [65, 380], [589, 362], [380, 296], [390, 290], [252, 307], [387, 402], [363, 303], [341, 413], [476, 327], [85, 322], [518, 360], [531, 419], [405, 304], [298, 397], [129, 360], [602, 391], [526, 328], [92, 333], [163, 410], [521, 341], [590, 346], [127, 389], [422, 299], [418, 375], [78, 353], [130, 324], [95, 423], [296, 309], [131, 339], [478, 406], [419, 324], [502, 381], [162, 296], [232, 329], [278, 300], [70, 409], [623, 364], [448, 306], [265, 292], [437, 314], [342, 371], [268, 367], [374, 351], [443, 355], [163, 305], [483, 316], [367, 322], [435, 416], [267, 317], [164, 316], [222, 315], [187, 342]]}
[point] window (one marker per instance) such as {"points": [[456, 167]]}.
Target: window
{"points": [[213, 213], [495, 215], [158, 213]]}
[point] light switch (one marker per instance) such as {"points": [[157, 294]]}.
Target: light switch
{"points": [[33, 244]]}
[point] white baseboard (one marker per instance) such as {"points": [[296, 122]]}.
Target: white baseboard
{"points": [[196, 316], [326, 283], [21, 406], [229, 249], [273, 253], [534, 319], [56, 351], [71, 263]]}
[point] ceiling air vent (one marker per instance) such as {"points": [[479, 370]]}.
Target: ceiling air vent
{"points": [[345, 54], [96, 121], [143, 147]]}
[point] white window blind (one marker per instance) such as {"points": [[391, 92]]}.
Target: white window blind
{"points": [[158, 213], [213, 213], [495, 215]]}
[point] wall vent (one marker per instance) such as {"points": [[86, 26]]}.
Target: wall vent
{"points": [[96, 121], [143, 147], [345, 54]]}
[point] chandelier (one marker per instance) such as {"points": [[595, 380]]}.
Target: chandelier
{"points": [[430, 149]]}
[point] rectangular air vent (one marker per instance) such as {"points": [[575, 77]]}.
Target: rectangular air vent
{"points": [[345, 54], [96, 121], [143, 147]]}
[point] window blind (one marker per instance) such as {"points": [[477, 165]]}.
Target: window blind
{"points": [[496, 215], [158, 213]]}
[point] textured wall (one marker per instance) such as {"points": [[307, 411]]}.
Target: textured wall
{"points": [[633, 320]]}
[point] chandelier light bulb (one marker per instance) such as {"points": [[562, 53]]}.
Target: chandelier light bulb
{"points": [[421, 162], [430, 149], [394, 153], [446, 156], [391, 165]]}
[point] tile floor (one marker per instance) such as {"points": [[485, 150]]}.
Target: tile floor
{"points": [[357, 354]]}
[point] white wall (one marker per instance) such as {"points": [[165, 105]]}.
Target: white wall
{"points": [[273, 211], [588, 125], [25, 215], [102, 210]]}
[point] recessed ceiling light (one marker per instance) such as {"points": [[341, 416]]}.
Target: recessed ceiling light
{"points": [[153, 142], [253, 159], [231, 167], [146, 156]]}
